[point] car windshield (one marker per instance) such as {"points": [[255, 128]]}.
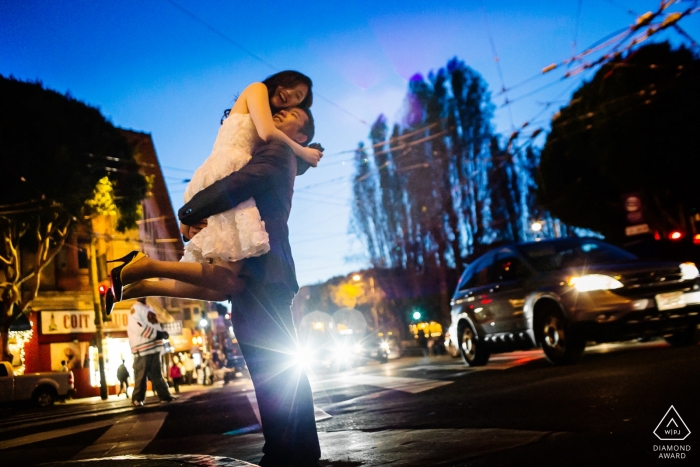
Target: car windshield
{"points": [[549, 256]]}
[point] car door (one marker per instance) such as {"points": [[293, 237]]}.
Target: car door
{"points": [[6, 384], [473, 291], [507, 292]]}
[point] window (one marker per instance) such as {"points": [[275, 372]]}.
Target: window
{"points": [[3, 371], [83, 261], [186, 311], [574, 252], [508, 267], [480, 268]]}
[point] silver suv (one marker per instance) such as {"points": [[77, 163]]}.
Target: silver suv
{"points": [[561, 293]]}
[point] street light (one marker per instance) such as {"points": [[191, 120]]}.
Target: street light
{"points": [[416, 315], [203, 322], [536, 226], [357, 277]]}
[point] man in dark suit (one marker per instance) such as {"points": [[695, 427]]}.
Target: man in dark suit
{"points": [[262, 317]]}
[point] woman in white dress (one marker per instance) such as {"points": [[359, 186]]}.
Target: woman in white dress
{"points": [[212, 260]]}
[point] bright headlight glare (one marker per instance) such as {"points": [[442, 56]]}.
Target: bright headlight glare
{"points": [[591, 282], [384, 345], [303, 357], [689, 271]]}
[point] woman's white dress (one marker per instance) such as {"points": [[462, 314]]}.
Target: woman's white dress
{"points": [[239, 232]]}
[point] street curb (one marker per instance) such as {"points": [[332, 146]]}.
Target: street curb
{"points": [[197, 460]]}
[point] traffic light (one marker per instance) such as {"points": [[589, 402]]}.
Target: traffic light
{"points": [[416, 315], [102, 289]]}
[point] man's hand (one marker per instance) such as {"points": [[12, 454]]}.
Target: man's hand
{"points": [[311, 156], [189, 231]]}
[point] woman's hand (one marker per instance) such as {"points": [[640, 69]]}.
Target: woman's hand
{"points": [[311, 156]]}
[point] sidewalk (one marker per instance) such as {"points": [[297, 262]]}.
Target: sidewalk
{"points": [[150, 398], [175, 460]]}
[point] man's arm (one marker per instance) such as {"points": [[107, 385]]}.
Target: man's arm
{"points": [[268, 164]]}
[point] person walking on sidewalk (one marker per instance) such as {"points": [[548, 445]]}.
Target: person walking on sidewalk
{"points": [[176, 374], [146, 341], [123, 377], [189, 368]]}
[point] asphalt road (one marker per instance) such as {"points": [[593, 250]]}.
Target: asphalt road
{"points": [[518, 410]]}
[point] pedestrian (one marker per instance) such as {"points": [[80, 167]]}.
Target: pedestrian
{"points": [[146, 341], [262, 315], [189, 367], [64, 367], [123, 377], [423, 342], [176, 374]]}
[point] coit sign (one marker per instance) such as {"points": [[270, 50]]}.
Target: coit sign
{"points": [[67, 322]]}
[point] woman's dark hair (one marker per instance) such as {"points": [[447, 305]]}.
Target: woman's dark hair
{"points": [[286, 79]]}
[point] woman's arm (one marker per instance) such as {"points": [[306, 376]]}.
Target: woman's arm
{"points": [[258, 102]]}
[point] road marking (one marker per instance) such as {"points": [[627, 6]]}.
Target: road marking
{"points": [[128, 436], [58, 419], [397, 383], [35, 438], [318, 413], [254, 404]]}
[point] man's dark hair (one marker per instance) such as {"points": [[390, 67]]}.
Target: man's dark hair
{"points": [[309, 128]]}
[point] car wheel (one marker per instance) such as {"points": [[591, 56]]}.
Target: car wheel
{"points": [[474, 351], [561, 344], [684, 338], [44, 397]]}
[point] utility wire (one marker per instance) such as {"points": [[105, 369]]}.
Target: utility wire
{"points": [[253, 55]]}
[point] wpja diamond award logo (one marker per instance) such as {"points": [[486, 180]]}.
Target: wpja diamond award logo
{"points": [[672, 428]]}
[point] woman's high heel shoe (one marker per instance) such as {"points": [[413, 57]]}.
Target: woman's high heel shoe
{"points": [[109, 302], [115, 276]]}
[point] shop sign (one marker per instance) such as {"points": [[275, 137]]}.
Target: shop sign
{"points": [[67, 322], [174, 328], [119, 320], [71, 322]]}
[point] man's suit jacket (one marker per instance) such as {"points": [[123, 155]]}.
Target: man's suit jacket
{"points": [[269, 179]]}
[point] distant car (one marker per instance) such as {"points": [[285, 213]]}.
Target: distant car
{"points": [[41, 388], [561, 293]]}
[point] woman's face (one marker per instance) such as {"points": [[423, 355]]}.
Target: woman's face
{"points": [[284, 98]]}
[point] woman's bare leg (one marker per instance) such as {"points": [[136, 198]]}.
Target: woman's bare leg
{"points": [[202, 275], [174, 289]]}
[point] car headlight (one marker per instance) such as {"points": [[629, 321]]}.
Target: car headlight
{"points": [[384, 345], [689, 271], [303, 357], [591, 282]]}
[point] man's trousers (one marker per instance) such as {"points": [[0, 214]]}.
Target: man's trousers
{"points": [[149, 366], [262, 322]]}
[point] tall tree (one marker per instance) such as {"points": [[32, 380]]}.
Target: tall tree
{"points": [[630, 129], [61, 160]]}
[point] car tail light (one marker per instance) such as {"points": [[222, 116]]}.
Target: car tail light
{"points": [[696, 239], [675, 235]]}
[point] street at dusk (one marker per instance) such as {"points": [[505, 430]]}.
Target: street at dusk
{"points": [[410, 411], [349, 234]]}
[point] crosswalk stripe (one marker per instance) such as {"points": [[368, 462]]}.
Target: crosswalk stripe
{"points": [[318, 413], [397, 383], [129, 435], [35, 438]]}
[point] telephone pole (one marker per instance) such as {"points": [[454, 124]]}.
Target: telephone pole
{"points": [[97, 304]]}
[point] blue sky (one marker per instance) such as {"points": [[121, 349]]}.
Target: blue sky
{"points": [[151, 67]]}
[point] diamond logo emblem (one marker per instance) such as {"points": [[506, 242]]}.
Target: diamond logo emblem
{"points": [[672, 427]]}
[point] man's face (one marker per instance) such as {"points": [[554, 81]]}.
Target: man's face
{"points": [[290, 122]]}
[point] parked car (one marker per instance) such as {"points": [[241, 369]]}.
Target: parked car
{"points": [[561, 293], [42, 388]]}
